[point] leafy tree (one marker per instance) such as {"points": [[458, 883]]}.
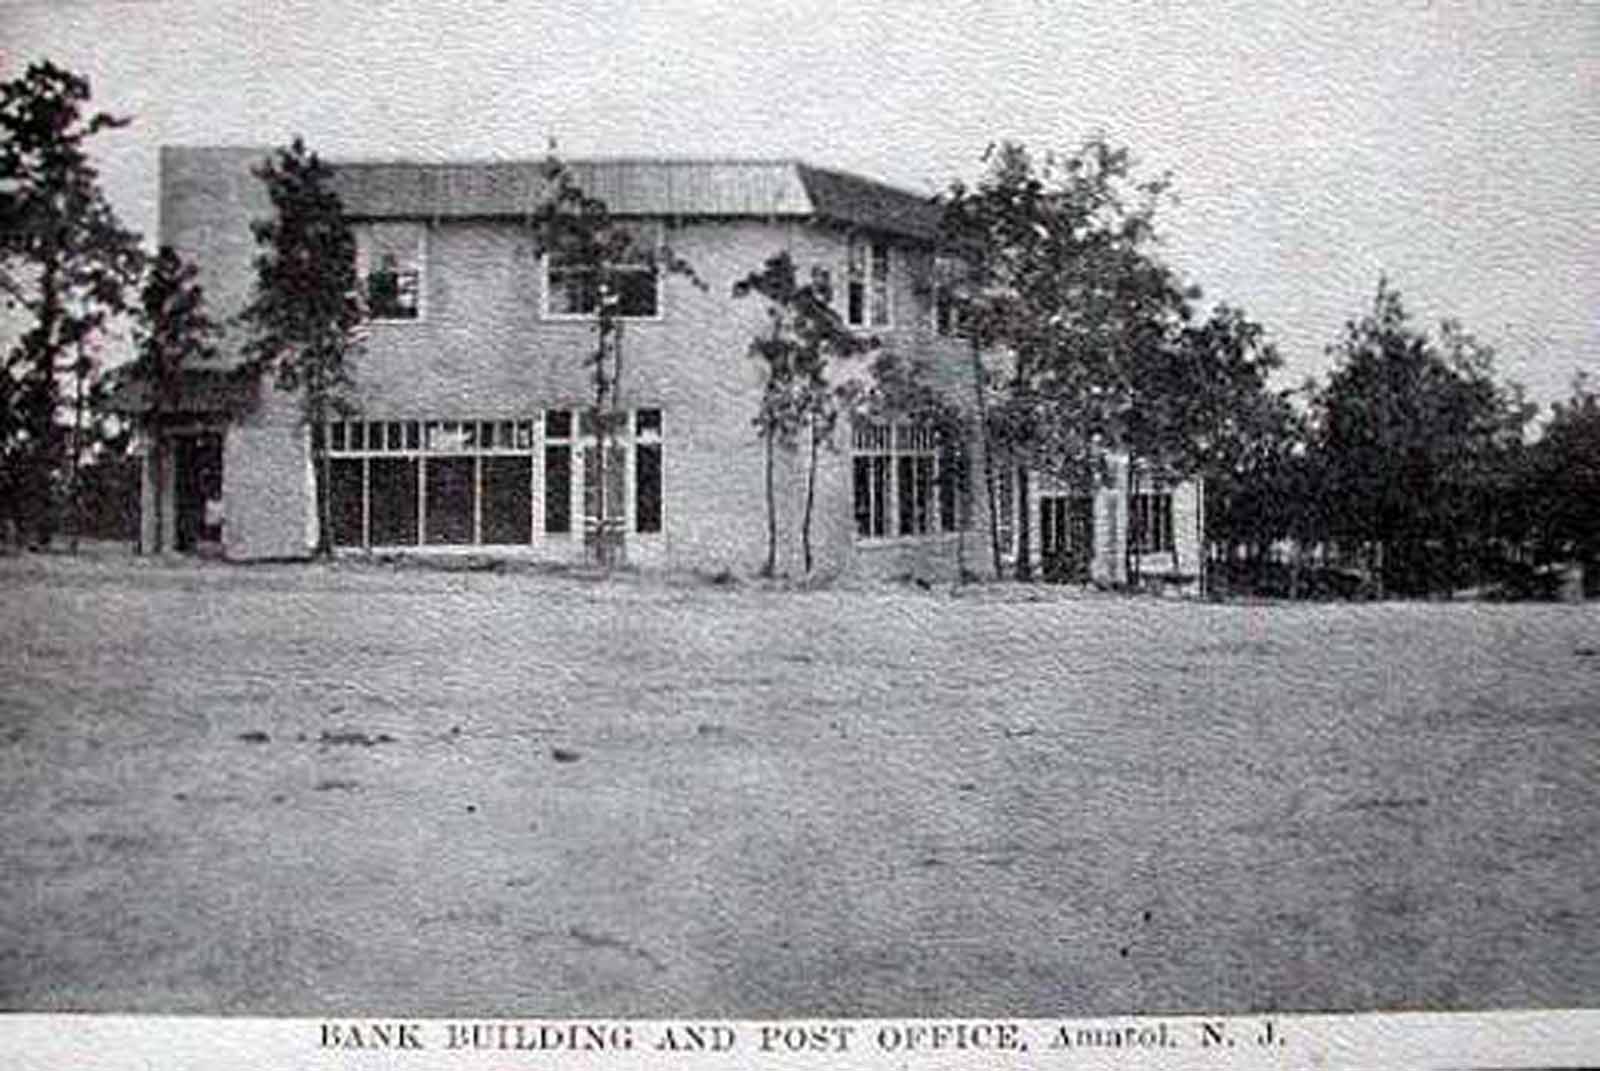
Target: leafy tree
{"points": [[1562, 480], [1259, 487], [1409, 431], [173, 332], [1201, 406], [579, 229], [803, 336], [1060, 280], [66, 262], [305, 314]]}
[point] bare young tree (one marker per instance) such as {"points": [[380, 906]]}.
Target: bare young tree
{"points": [[602, 257], [804, 335]]}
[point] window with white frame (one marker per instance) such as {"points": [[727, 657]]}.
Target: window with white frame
{"points": [[575, 289], [867, 301], [407, 483], [389, 259], [903, 483], [1150, 521]]}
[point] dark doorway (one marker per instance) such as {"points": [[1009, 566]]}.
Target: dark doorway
{"points": [[1066, 536], [198, 479]]}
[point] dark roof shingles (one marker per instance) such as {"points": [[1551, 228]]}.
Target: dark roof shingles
{"points": [[862, 202]]}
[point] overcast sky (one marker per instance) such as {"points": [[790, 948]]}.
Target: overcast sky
{"points": [[1455, 146]]}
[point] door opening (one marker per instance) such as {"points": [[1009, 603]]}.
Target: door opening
{"points": [[198, 478]]}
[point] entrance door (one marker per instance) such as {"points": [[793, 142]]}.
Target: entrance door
{"points": [[198, 479]]}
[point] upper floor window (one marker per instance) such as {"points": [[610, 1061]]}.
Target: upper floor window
{"points": [[389, 258], [867, 284], [632, 288]]}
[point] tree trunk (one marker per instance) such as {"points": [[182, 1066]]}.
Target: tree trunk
{"points": [[811, 497], [325, 503], [158, 459], [1024, 570], [988, 454], [39, 461], [321, 466], [1177, 563], [597, 421], [770, 569], [960, 496], [74, 506], [1130, 558], [601, 557], [616, 548]]}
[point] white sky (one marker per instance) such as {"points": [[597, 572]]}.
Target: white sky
{"points": [[1455, 146]]}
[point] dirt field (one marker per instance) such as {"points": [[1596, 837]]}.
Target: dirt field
{"points": [[331, 789]]}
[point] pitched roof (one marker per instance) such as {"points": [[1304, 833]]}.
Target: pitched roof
{"points": [[841, 197], [664, 187]]}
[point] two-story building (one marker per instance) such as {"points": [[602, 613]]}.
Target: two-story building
{"points": [[470, 430]]}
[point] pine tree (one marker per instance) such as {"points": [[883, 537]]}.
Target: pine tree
{"points": [[305, 315], [174, 331], [66, 262]]}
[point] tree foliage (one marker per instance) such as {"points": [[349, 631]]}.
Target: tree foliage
{"points": [[1213, 414], [305, 313], [1062, 280], [1562, 475], [65, 262], [1411, 435], [173, 332]]}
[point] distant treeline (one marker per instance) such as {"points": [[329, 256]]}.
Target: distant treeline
{"points": [[1411, 471]]}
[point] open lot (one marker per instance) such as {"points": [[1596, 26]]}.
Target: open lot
{"points": [[301, 789]]}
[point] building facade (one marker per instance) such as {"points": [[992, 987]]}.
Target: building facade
{"points": [[470, 430]]}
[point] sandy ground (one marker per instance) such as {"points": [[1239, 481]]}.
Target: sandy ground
{"points": [[299, 789]]}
